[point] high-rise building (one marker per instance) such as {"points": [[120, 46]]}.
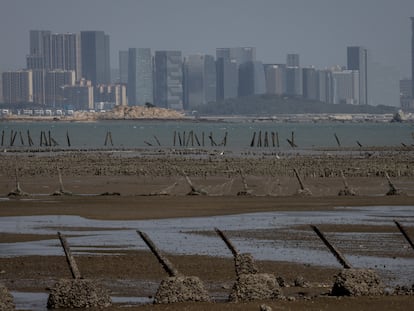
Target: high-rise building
{"points": [[140, 77], [36, 41], [109, 96], [62, 51], [310, 83], [412, 56], [357, 60], [79, 96], [275, 75], [292, 60], [95, 57], [17, 86], [52, 51], [123, 66], [168, 79], [251, 78], [294, 82], [326, 86], [346, 87], [227, 59], [200, 80], [55, 82]]}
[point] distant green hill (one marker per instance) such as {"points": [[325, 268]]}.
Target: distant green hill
{"points": [[260, 105]]}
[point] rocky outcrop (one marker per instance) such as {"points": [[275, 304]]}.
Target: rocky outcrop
{"points": [[77, 293], [357, 282], [181, 289]]}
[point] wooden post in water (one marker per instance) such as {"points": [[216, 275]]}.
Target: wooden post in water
{"points": [[404, 233], [341, 259], [156, 139], [202, 139], [273, 139], [253, 140], [50, 138], [2, 137], [259, 139], [213, 143], [337, 140], [266, 140], [179, 139], [174, 138], [110, 138], [29, 138], [67, 138], [12, 137], [228, 243], [69, 258], [293, 138], [21, 138], [197, 141], [165, 263], [277, 139]]}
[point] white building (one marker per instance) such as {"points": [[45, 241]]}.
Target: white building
{"points": [[346, 87]]}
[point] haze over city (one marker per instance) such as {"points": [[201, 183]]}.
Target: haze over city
{"points": [[318, 30]]}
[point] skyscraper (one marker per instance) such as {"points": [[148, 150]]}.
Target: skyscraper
{"points": [[123, 67], [357, 60], [227, 58], [346, 87], [95, 57], [251, 78], [17, 86], [140, 79], [292, 60], [310, 83], [275, 75], [168, 79], [62, 52], [200, 80]]}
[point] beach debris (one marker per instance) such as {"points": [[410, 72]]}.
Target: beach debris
{"points": [[299, 281], [194, 190], [392, 189], [404, 233], [243, 263], [341, 259], [250, 284], [61, 190], [351, 281], [165, 191], [347, 191], [76, 292], [6, 299], [18, 190], [357, 282], [302, 190], [246, 190], [176, 287], [264, 307]]}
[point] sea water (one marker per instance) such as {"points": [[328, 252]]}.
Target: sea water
{"points": [[160, 134]]}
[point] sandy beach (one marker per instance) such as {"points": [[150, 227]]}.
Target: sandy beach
{"points": [[126, 186]]}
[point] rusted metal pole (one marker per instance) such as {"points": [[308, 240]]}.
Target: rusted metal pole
{"points": [[165, 263], [404, 233], [71, 261], [341, 259], [228, 243]]}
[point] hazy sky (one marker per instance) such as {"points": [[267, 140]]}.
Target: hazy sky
{"points": [[319, 30]]}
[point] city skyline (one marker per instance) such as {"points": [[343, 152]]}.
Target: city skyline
{"points": [[275, 28]]}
